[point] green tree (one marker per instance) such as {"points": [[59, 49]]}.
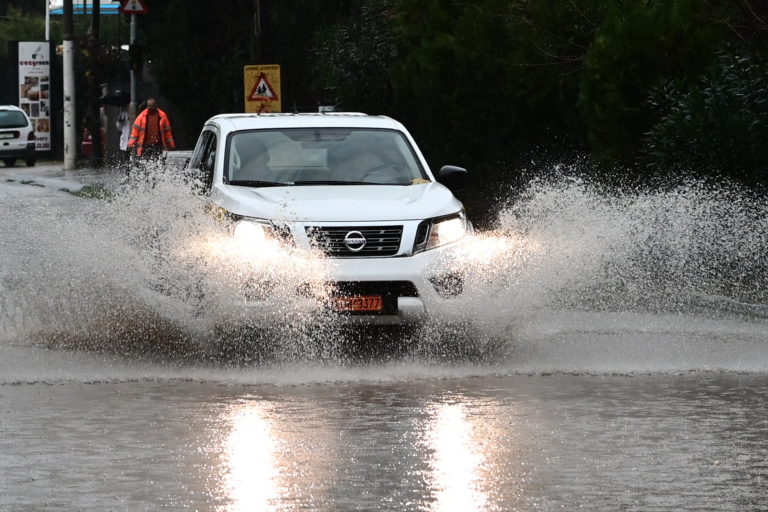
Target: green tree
{"points": [[352, 60], [716, 123], [289, 29], [639, 45], [196, 52], [19, 25], [450, 80], [488, 80]]}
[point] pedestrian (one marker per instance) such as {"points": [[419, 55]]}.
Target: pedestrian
{"points": [[151, 133], [123, 124]]}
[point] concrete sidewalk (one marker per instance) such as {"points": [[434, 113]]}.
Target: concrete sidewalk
{"points": [[52, 174]]}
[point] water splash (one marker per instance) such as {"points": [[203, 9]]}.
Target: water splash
{"points": [[574, 277], [579, 276], [146, 272], [692, 248]]}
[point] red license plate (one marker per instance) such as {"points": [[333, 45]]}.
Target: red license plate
{"points": [[365, 303]]}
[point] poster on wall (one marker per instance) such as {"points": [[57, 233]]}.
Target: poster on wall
{"points": [[35, 89]]}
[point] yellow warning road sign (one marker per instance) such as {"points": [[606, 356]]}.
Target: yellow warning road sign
{"points": [[262, 88]]}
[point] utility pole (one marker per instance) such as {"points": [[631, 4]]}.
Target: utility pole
{"points": [[134, 7], [132, 104], [47, 20], [70, 135]]}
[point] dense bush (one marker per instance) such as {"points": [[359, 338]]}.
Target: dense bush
{"points": [[482, 82], [717, 122], [638, 45], [351, 61]]}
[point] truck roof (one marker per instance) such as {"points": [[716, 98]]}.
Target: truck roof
{"points": [[231, 122]]}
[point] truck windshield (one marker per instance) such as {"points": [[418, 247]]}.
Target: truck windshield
{"points": [[321, 156]]}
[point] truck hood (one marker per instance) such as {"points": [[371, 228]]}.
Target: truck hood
{"points": [[338, 203]]}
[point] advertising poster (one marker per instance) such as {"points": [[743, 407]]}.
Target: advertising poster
{"points": [[35, 89]]}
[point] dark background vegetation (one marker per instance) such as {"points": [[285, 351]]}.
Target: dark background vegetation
{"points": [[635, 91]]}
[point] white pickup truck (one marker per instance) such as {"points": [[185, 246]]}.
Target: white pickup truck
{"points": [[352, 187]]}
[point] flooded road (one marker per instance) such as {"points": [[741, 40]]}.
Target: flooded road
{"points": [[618, 361], [388, 442]]}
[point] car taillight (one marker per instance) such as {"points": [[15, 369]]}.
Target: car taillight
{"points": [[31, 136]]}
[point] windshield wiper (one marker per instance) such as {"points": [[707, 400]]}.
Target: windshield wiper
{"points": [[331, 182], [256, 183]]}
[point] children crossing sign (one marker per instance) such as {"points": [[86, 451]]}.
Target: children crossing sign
{"points": [[134, 7], [262, 88]]}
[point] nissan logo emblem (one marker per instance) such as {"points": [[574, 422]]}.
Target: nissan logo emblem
{"points": [[355, 241]]}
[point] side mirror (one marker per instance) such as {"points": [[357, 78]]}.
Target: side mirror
{"points": [[453, 177]]}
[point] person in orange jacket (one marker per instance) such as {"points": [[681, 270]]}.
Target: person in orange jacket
{"points": [[151, 133]]}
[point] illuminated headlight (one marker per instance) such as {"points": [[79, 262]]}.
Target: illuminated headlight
{"points": [[447, 230], [253, 231]]}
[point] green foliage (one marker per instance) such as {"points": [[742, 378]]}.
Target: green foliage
{"points": [[289, 28], [483, 82], [451, 79], [551, 39], [479, 83], [717, 122], [351, 61], [197, 51], [20, 26], [639, 45], [196, 67]]}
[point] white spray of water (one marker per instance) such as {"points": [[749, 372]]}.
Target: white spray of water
{"points": [[573, 278], [148, 270], [587, 278]]}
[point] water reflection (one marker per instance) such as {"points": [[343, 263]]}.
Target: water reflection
{"points": [[455, 463], [251, 450]]}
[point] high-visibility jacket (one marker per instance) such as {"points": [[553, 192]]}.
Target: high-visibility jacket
{"points": [[139, 131]]}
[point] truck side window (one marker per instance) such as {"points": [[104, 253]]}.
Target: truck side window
{"points": [[208, 163], [203, 160]]}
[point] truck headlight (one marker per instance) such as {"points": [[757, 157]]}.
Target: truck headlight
{"points": [[446, 230], [253, 231]]}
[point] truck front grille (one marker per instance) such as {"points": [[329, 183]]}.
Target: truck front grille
{"points": [[347, 241]]}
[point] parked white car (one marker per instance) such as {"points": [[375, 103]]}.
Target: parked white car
{"points": [[17, 136], [352, 186]]}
